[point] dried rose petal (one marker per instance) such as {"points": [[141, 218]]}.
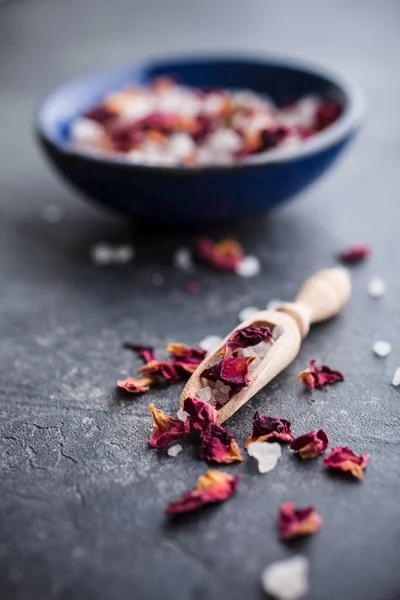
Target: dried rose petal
{"points": [[218, 445], [161, 369], [344, 459], [201, 414], [355, 253], [225, 255], [270, 138], [311, 444], [164, 122], [185, 358], [146, 353], [269, 428], [192, 287], [165, 428], [126, 136], [100, 114], [294, 522], [233, 371], [327, 112], [319, 378], [213, 486], [249, 336], [136, 385]]}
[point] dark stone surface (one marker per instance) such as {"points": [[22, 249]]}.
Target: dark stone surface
{"points": [[81, 494]]}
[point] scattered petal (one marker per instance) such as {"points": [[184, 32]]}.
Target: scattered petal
{"points": [[184, 358], [211, 487], [232, 371], [376, 287], [193, 287], [218, 445], [225, 255], [311, 444], [269, 428], [249, 336], [267, 455], [248, 267], [381, 348], [396, 377], [52, 213], [182, 260], [319, 378], [344, 459], [103, 254], [294, 522], [247, 312], [201, 414], [210, 343], [146, 353], [165, 428], [274, 304], [355, 253], [161, 369], [287, 579], [174, 450], [136, 385]]}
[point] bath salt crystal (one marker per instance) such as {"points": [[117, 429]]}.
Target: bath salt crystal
{"points": [[183, 261], [225, 389], [103, 254], [381, 348], [247, 312], [376, 287], [287, 579], [248, 267], [87, 133], [137, 107], [174, 450], [247, 352], [266, 454], [204, 394], [182, 415], [224, 140], [212, 103], [274, 304], [396, 377], [180, 145], [52, 213], [158, 279], [210, 343]]}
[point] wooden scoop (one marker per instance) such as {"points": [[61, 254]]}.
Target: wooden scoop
{"points": [[319, 298]]}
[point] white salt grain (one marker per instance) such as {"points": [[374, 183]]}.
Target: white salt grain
{"points": [[158, 279], [174, 450], [274, 304], [103, 254], [182, 415], [396, 377], [376, 287], [248, 267], [182, 260], [52, 213], [266, 454], [287, 579], [210, 343], [180, 145], [87, 133], [381, 348], [247, 312], [204, 394]]}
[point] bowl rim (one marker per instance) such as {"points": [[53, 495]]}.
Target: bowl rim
{"points": [[350, 119]]}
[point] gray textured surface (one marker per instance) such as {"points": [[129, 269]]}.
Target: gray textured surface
{"points": [[81, 495]]}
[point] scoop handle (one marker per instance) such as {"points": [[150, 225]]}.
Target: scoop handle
{"points": [[319, 298]]}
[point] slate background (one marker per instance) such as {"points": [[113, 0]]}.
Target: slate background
{"points": [[81, 494]]}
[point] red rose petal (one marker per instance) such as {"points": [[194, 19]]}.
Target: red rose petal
{"points": [[311, 444], [185, 358], [319, 378], [136, 385], [161, 369], [355, 253], [225, 255], [294, 522], [246, 337], [201, 414], [165, 428], [211, 487], [146, 353], [269, 428], [344, 459], [218, 445]]}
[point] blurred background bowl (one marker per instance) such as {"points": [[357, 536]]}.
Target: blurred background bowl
{"points": [[204, 194]]}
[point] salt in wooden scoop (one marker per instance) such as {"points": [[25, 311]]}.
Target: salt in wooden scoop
{"points": [[319, 298]]}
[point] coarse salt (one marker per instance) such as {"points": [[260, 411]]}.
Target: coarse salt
{"points": [[210, 343], [204, 394], [103, 254], [87, 133], [247, 312], [381, 348], [248, 267], [182, 260], [396, 377], [182, 415], [174, 450], [266, 454], [376, 287], [287, 579]]}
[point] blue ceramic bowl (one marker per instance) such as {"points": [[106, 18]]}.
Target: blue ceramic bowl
{"points": [[195, 195]]}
